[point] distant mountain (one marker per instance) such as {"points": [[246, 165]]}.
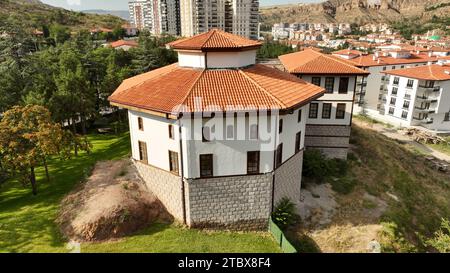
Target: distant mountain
{"points": [[124, 14], [34, 14], [355, 11]]}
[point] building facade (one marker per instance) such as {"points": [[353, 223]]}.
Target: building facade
{"points": [[218, 138], [239, 17], [157, 16], [419, 96], [329, 119]]}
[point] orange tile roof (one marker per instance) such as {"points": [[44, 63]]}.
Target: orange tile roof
{"points": [[434, 72], [367, 60], [257, 87], [347, 52], [313, 62], [123, 43], [214, 39]]}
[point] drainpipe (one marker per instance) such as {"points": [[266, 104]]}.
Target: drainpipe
{"points": [[274, 163], [183, 197]]}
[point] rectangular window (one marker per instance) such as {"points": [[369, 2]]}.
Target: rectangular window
{"points": [[279, 155], [343, 85], [329, 84], [391, 110], [340, 111], [393, 100], [313, 109], [326, 110], [393, 67], [173, 162], [253, 162], [410, 84], [404, 114], [280, 126], [406, 104], [447, 116], [298, 138], [299, 117], [171, 132], [143, 152], [254, 131], [384, 68], [396, 80], [140, 124], [206, 165], [315, 81], [394, 91]]}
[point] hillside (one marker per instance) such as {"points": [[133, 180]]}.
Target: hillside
{"points": [[355, 11], [34, 14], [124, 14]]}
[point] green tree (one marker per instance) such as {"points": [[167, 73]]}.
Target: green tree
{"points": [[59, 33]]}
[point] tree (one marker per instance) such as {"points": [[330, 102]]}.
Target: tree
{"points": [[27, 138], [59, 33]]}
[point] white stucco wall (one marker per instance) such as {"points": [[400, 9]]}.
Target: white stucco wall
{"points": [[191, 59], [231, 59]]}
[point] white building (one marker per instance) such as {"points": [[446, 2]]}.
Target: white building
{"points": [[329, 119], [201, 137], [157, 16], [419, 96], [239, 17]]}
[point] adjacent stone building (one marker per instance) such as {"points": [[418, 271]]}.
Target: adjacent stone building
{"points": [[218, 138]]}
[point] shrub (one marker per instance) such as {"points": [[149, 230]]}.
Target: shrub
{"points": [[284, 213], [441, 240], [318, 167], [343, 185]]}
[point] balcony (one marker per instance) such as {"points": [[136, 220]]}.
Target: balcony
{"points": [[424, 120], [427, 98], [407, 96]]}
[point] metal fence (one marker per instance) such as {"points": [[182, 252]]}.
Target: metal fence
{"points": [[281, 239]]}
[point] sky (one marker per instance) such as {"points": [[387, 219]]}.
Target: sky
{"points": [[123, 4]]}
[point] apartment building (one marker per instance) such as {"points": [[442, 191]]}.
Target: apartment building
{"points": [[157, 16], [328, 124], [369, 98], [239, 17], [218, 138], [418, 96]]}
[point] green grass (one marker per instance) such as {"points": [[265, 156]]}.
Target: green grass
{"points": [[27, 221], [443, 148]]}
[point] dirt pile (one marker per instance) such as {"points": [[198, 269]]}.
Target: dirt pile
{"points": [[112, 203]]}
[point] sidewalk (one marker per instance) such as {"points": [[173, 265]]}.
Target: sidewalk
{"points": [[394, 134]]}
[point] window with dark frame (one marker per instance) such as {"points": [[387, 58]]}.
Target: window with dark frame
{"points": [[279, 155], [313, 109], [391, 110], [253, 162], [315, 81], [404, 114], [394, 91], [140, 124], [171, 132], [298, 138], [280, 126], [410, 84], [393, 101], [396, 80], [299, 117], [173, 162], [343, 85], [326, 110], [340, 111], [206, 165], [447, 116], [143, 156], [329, 84], [406, 104]]}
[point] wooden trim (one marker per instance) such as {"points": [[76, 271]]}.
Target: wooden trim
{"points": [[147, 111]]}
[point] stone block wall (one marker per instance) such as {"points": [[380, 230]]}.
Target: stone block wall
{"points": [[235, 202], [288, 178], [166, 187], [331, 140]]}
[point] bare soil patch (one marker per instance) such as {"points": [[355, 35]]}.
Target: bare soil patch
{"points": [[112, 203]]}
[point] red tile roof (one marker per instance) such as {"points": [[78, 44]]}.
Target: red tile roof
{"points": [[123, 43], [257, 87], [311, 61], [348, 52], [434, 72], [367, 60], [214, 39]]}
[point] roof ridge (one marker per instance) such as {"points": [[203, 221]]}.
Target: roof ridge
{"points": [[341, 61], [260, 87], [210, 36], [191, 88]]}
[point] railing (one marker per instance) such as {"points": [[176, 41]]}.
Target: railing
{"points": [[281, 239], [429, 98]]}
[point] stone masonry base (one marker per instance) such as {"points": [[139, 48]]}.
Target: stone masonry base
{"points": [[331, 140]]}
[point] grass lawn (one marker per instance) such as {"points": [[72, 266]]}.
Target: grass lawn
{"points": [[443, 148], [27, 221]]}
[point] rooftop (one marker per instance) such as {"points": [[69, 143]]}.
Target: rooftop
{"points": [[434, 72], [123, 43], [368, 60], [311, 61], [256, 87], [214, 40]]}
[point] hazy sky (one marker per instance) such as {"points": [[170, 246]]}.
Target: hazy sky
{"points": [[122, 4]]}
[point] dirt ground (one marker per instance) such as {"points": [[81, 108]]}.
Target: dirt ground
{"points": [[112, 203]]}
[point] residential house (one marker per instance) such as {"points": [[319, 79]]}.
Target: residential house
{"points": [[218, 138], [328, 124]]}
